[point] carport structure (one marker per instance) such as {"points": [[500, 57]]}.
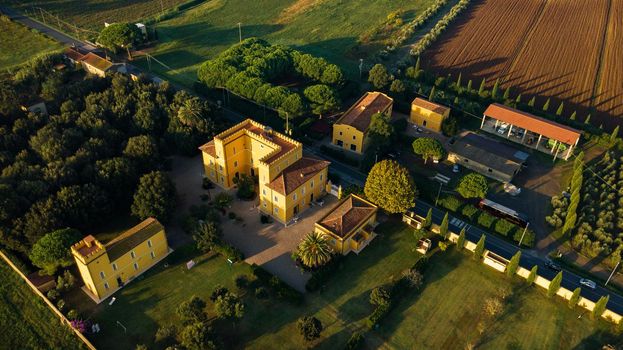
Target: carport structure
{"points": [[531, 131]]}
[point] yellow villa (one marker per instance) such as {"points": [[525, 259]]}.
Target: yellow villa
{"points": [[288, 182], [350, 225], [428, 114], [351, 130], [105, 268]]}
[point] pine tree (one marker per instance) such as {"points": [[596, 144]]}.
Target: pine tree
{"points": [[417, 64], [482, 86], [443, 228], [429, 218], [575, 298], [507, 93], [560, 109], [460, 242], [546, 105], [600, 306], [588, 119], [532, 275], [573, 115], [532, 101], [431, 97], [554, 285], [513, 264], [458, 82], [469, 85], [480, 247], [496, 87], [614, 135]]}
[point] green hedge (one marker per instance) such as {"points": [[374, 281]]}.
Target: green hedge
{"points": [[486, 220], [470, 211], [504, 227], [451, 203]]}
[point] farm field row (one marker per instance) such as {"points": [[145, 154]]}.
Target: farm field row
{"points": [[563, 50]]}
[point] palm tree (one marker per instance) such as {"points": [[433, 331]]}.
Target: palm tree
{"points": [[314, 250]]}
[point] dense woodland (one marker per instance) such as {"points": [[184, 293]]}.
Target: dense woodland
{"points": [[82, 163]]}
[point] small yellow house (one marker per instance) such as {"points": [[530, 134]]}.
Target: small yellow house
{"points": [[105, 268], [350, 225], [428, 114], [94, 64], [350, 131], [288, 182]]}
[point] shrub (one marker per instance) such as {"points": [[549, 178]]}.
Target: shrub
{"points": [[166, 334], [380, 296], [486, 220], [377, 315], [309, 327], [72, 314], [264, 219], [412, 278], [242, 281], [355, 341], [230, 252], [261, 293], [469, 211], [528, 239], [53, 294], [504, 227], [451, 203]]}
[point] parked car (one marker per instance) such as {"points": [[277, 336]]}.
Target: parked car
{"points": [[550, 265], [455, 168], [588, 283]]}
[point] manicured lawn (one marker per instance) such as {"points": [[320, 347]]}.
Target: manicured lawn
{"points": [[18, 44], [26, 322], [328, 28]]}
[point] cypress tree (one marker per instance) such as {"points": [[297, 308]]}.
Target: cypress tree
{"points": [[432, 94], [614, 135], [518, 99], [513, 264], [443, 228], [600, 306], [460, 243], [480, 247], [417, 64], [469, 85], [458, 82], [420, 91], [546, 105], [496, 87], [575, 298], [532, 101], [560, 109], [573, 115], [456, 101], [588, 119], [507, 93], [554, 285], [532, 275], [482, 86], [429, 218]]}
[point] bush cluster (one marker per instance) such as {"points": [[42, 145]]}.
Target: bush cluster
{"points": [[270, 282]]}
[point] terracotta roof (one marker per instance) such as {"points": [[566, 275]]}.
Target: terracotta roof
{"points": [[297, 174], [360, 114], [74, 54], [209, 149], [347, 215], [96, 61], [533, 123], [90, 246], [131, 238], [431, 106]]}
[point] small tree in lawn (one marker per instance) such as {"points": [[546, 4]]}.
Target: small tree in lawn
{"points": [[192, 310], [197, 336], [229, 306], [390, 186], [378, 76], [428, 147], [532, 275], [472, 186], [207, 235], [309, 327], [322, 99], [380, 296], [314, 250], [429, 218], [119, 35], [480, 247], [155, 197], [554, 285], [443, 228], [460, 242], [53, 250], [575, 298], [513, 264], [600, 306]]}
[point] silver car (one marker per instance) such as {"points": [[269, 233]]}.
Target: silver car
{"points": [[588, 283]]}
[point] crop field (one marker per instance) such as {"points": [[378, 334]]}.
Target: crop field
{"points": [[12, 53], [331, 29], [564, 50], [91, 14]]}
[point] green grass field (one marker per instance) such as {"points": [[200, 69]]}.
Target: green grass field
{"points": [[446, 314], [18, 44], [327, 28], [26, 322]]}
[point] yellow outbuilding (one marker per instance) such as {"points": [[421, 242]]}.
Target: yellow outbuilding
{"points": [[288, 182], [105, 268], [351, 130], [428, 114], [349, 225]]}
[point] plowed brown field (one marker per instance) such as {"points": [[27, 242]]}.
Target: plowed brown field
{"points": [[569, 51]]}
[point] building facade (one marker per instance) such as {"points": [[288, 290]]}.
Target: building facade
{"points": [[428, 114], [351, 129], [105, 268], [349, 225], [288, 182]]}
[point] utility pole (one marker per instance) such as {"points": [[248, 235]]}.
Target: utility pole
{"points": [[239, 32], [611, 274], [523, 234]]}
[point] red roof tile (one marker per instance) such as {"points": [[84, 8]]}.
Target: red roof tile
{"points": [[360, 114], [297, 174], [431, 106], [347, 215]]}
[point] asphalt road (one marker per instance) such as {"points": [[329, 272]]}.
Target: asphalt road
{"points": [[493, 243]]}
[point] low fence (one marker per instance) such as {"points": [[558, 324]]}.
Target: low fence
{"points": [[59, 314], [524, 273]]}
